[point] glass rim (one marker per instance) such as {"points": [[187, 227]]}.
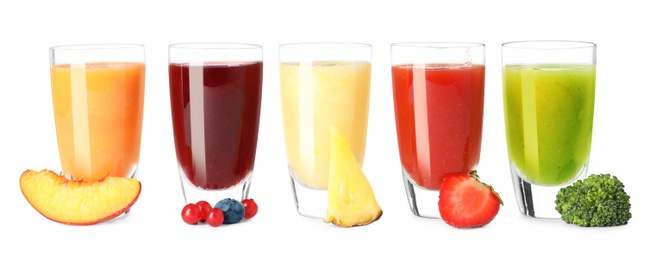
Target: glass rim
{"points": [[325, 45], [215, 45], [97, 46], [438, 45], [549, 44]]}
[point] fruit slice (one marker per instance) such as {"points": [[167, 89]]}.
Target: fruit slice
{"points": [[351, 200], [466, 202], [78, 202]]}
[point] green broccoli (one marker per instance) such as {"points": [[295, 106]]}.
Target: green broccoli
{"points": [[596, 201]]}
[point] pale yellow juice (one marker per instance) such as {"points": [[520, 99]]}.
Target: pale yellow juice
{"points": [[313, 96]]}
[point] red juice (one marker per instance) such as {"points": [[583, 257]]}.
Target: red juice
{"points": [[215, 109], [439, 119]]}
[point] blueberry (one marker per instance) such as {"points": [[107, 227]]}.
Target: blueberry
{"points": [[233, 210]]}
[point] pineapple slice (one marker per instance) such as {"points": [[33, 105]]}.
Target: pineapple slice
{"points": [[351, 200]]}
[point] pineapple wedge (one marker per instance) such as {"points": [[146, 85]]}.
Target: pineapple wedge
{"points": [[351, 200]]}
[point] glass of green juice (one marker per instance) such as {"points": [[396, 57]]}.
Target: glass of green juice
{"points": [[548, 96]]}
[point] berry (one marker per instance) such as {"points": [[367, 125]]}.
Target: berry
{"points": [[205, 209], [250, 208], [191, 214], [214, 217], [466, 202], [233, 210]]}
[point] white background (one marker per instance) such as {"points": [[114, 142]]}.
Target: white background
{"points": [[623, 135]]}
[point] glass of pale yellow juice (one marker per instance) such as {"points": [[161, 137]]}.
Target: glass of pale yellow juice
{"points": [[321, 84], [97, 95]]}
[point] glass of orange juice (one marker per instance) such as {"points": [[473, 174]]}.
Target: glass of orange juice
{"points": [[320, 84], [98, 96]]}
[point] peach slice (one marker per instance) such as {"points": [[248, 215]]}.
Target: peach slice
{"points": [[76, 202]]}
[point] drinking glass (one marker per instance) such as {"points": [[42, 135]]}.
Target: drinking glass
{"points": [[215, 91], [320, 84], [548, 93], [97, 95], [438, 103]]}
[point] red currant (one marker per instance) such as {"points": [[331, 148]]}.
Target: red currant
{"points": [[250, 207], [191, 214], [215, 217], [205, 209]]}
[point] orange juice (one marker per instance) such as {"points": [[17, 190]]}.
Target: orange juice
{"points": [[98, 110]]}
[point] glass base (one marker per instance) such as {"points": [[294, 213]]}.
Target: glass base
{"points": [[193, 194], [310, 203], [423, 202], [538, 201], [120, 216], [123, 215]]}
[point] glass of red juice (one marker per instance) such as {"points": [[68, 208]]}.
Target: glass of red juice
{"points": [[438, 103], [216, 91]]}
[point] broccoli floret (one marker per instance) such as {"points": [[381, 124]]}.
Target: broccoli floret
{"points": [[596, 201]]}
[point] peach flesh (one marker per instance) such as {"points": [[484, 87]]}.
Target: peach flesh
{"points": [[76, 202]]}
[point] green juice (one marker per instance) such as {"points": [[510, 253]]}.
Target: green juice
{"points": [[549, 111]]}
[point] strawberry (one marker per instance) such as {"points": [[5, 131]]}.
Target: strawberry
{"points": [[466, 202]]}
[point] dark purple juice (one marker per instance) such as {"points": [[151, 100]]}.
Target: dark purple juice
{"points": [[215, 109]]}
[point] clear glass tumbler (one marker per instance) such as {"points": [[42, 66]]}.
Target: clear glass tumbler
{"points": [[320, 84], [216, 92], [438, 102], [98, 97], [549, 94]]}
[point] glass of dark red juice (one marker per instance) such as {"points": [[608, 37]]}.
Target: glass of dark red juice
{"points": [[438, 102], [216, 91]]}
